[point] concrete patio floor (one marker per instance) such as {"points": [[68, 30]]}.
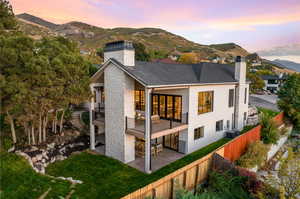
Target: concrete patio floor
{"points": [[164, 158]]}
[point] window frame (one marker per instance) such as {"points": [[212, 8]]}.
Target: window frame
{"points": [[204, 107], [140, 101], [245, 97], [198, 133], [231, 98], [222, 125]]}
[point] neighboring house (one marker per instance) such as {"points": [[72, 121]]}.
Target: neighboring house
{"points": [[273, 82], [146, 107]]}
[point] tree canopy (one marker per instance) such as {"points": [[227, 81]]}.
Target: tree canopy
{"points": [[188, 58], [289, 98], [7, 19]]}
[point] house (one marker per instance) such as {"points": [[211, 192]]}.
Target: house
{"points": [[273, 82], [152, 110]]}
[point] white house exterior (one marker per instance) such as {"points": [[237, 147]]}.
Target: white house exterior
{"points": [[273, 82], [182, 107]]}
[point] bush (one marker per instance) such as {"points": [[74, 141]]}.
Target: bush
{"points": [[269, 131], [228, 185], [6, 143], [255, 155], [252, 184], [85, 117]]}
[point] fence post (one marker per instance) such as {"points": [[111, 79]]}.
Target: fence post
{"points": [[196, 179]]}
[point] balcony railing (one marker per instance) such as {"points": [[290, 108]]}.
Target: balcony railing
{"points": [[157, 124]]}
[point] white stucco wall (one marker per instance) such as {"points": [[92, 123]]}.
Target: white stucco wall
{"points": [[119, 102], [126, 57], [221, 111]]}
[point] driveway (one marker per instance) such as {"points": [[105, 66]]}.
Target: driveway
{"points": [[264, 101]]}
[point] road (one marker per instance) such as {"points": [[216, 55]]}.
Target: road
{"points": [[264, 101]]}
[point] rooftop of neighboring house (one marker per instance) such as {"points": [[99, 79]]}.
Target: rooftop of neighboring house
{"points": [[274, 77], [165, 60]]}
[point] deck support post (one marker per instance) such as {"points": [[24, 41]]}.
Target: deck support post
{"points": [[92, 126], [147, 130]]}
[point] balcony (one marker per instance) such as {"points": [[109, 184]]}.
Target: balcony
{"points": [[159, 127]]}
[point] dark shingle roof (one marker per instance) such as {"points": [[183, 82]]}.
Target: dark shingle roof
{"points": [[274, 77], [154, 73]]}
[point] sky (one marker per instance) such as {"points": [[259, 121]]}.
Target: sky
{"points": [[253, 24]]}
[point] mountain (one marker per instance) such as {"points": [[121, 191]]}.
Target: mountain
{"points": [[293, 49], [91, 38], [288, 64]]}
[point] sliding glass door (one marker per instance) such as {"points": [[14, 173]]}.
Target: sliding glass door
{"points": [[167, 106]]}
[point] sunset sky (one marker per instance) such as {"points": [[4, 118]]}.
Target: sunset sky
{"points": [[253, 24]]}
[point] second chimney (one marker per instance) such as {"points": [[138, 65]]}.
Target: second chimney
{"points": [[122, 51], [240, 70]]}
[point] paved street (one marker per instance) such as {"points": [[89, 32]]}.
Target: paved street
{"points": [[264, 101]]}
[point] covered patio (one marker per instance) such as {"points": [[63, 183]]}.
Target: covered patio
{"points": [[165, 157]]}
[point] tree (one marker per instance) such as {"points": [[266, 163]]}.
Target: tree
{"points": [[39, 79], [257, 83], [188, 58], [7, 19], [140, 52], [289, 98]]}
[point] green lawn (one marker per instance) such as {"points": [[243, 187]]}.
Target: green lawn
{"points": [[104, 177], [19, 180], [268, 111]]}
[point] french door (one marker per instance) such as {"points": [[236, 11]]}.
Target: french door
{"points": [[167, 106], [171, 141]]}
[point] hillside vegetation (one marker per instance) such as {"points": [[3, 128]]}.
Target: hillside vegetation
{"points": [[91, 38]]}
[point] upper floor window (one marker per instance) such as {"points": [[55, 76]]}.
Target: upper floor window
{"points": [[198, 132], [231, 97], [205, 102], [139, 99], [219, 125]]}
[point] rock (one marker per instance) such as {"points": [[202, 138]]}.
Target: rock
{"points": [[39, 157], [60, 157], [285, 155], [277, 166], [33, 148], [53, 159], [34, 159], [262, 173], [11, 149]]}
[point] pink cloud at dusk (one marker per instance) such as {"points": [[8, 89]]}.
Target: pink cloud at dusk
{"points": [[199, 20]]}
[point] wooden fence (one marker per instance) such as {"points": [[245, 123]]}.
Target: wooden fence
{"points": [[237, 147], [191, 175]]}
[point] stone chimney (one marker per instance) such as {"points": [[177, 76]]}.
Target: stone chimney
{"points": [[122, 51], [240, 70]]}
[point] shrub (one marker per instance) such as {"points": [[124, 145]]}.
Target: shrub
{"points": [[252, 184], [255, 155], [85, 117], [228, 185], [269, 131]]}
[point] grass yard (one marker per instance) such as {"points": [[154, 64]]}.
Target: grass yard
{"points": [[269, 112], [19, 180], [104, 177]]}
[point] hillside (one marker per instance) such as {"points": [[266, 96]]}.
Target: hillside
{"points": [[288, 64], [91, 38]]}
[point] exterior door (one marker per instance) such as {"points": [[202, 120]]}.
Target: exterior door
{"points": [[167, 106], [171, 141]]}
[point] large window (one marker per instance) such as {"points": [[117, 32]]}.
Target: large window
{"points": [[139, 98], [205, 102], [198, 133], [231, 98], [219, 125]]}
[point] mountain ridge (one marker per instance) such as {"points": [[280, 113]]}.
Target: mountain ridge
{"points": [[91, 37]]}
